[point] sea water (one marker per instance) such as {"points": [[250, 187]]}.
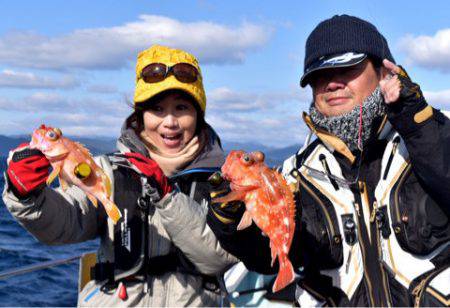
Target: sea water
{"points": [[56, 286]]}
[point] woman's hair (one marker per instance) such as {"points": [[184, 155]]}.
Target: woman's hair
{"points": [[142, 107]]}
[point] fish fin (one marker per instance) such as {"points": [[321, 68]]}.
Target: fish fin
{"points": [[293, 187], [285, 275], [273, 253], [83, 148], [63, 183], [246, 221], [231, 196], [55, 172], [107, 183], [112, 210], [93, 200]]}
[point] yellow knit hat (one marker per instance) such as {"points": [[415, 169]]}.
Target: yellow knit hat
{"points": [[170, 57]]}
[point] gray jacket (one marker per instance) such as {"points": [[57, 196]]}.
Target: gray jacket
{"points": [[59, 217]]}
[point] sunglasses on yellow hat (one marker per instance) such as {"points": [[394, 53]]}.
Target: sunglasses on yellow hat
{"points": [[156, 72]]}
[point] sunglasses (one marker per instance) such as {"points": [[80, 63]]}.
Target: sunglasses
{"points": [[156, 72]]}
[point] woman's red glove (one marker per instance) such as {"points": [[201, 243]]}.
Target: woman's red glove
{"points": [[151, 169], [27, 169]]}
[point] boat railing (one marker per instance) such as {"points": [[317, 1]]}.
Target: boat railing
{"points": [[37, 266]]}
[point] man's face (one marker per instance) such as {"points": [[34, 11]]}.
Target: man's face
{"points": [[337, 91]]}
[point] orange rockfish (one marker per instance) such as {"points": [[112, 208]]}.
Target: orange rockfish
{"points": [[269, 202], [74, 165]]}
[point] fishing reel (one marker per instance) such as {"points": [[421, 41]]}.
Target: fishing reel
{"points": [[82, 171]]}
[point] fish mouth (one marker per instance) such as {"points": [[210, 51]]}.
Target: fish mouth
{"points": [[56, 157], [237, 187]]}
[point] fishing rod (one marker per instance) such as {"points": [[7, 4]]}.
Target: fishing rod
{"points": [[36, 267]]}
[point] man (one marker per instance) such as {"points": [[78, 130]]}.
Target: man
{"points": [[372, 190]]}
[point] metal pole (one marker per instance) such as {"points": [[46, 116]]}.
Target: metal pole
{"points": [[36, 267]]}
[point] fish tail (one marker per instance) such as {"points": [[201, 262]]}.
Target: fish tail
{"points": [[112, 210], [285, 275]]}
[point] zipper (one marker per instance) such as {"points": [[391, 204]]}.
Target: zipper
{"points": [[395, 144], [325, 166], [374, 212], [366, 275], [400, 183], [349, 258], [367, 282], [420, 288], [383, 274], [357, 209]]}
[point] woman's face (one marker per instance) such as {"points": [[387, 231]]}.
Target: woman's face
{"points": [[171, 123]]}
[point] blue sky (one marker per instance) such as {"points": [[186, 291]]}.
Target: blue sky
{"points": [[71, 64]]}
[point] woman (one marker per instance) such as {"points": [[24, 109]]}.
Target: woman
{"points": [[161, 252]]}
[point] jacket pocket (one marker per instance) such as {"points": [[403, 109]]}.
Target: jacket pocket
{"points": [[323, 238], [419, 223]]}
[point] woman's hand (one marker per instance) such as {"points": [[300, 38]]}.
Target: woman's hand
{"points": [[27, 170], [151, 169]]}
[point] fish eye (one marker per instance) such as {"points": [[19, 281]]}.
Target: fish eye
{"points": [[52, 135], [57, 131], [247, 159]]}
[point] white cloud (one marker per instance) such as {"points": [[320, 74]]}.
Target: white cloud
{"points": [[37, 102], [114, 47], [279, 132], [224, 99], [14, 79], [431, 52], [438, 98], [102, 88], [271, 117], [43, 103]]}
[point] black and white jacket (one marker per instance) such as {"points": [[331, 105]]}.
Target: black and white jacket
{"points": [[372, 229]]}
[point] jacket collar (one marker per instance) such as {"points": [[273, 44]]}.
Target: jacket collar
{"points": [[334, 143]]}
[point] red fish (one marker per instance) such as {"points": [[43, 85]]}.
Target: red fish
{"points": [[74, 165], [269, 202]]}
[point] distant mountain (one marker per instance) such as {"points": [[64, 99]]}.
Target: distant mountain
{"points": [[275, 157], [231, 145], [97, 146], [102, 145]]}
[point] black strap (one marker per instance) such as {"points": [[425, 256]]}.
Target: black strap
{"points": [[103, 271], [172, 262], [157, 266]]}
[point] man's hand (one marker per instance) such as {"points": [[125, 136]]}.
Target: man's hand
{"points": [[407, 109], [391, 85], [225, 213]]}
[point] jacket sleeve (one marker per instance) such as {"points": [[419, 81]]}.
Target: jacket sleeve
{"points": [[249, 245], [185, 222], [54, 216], [426, 132]]}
